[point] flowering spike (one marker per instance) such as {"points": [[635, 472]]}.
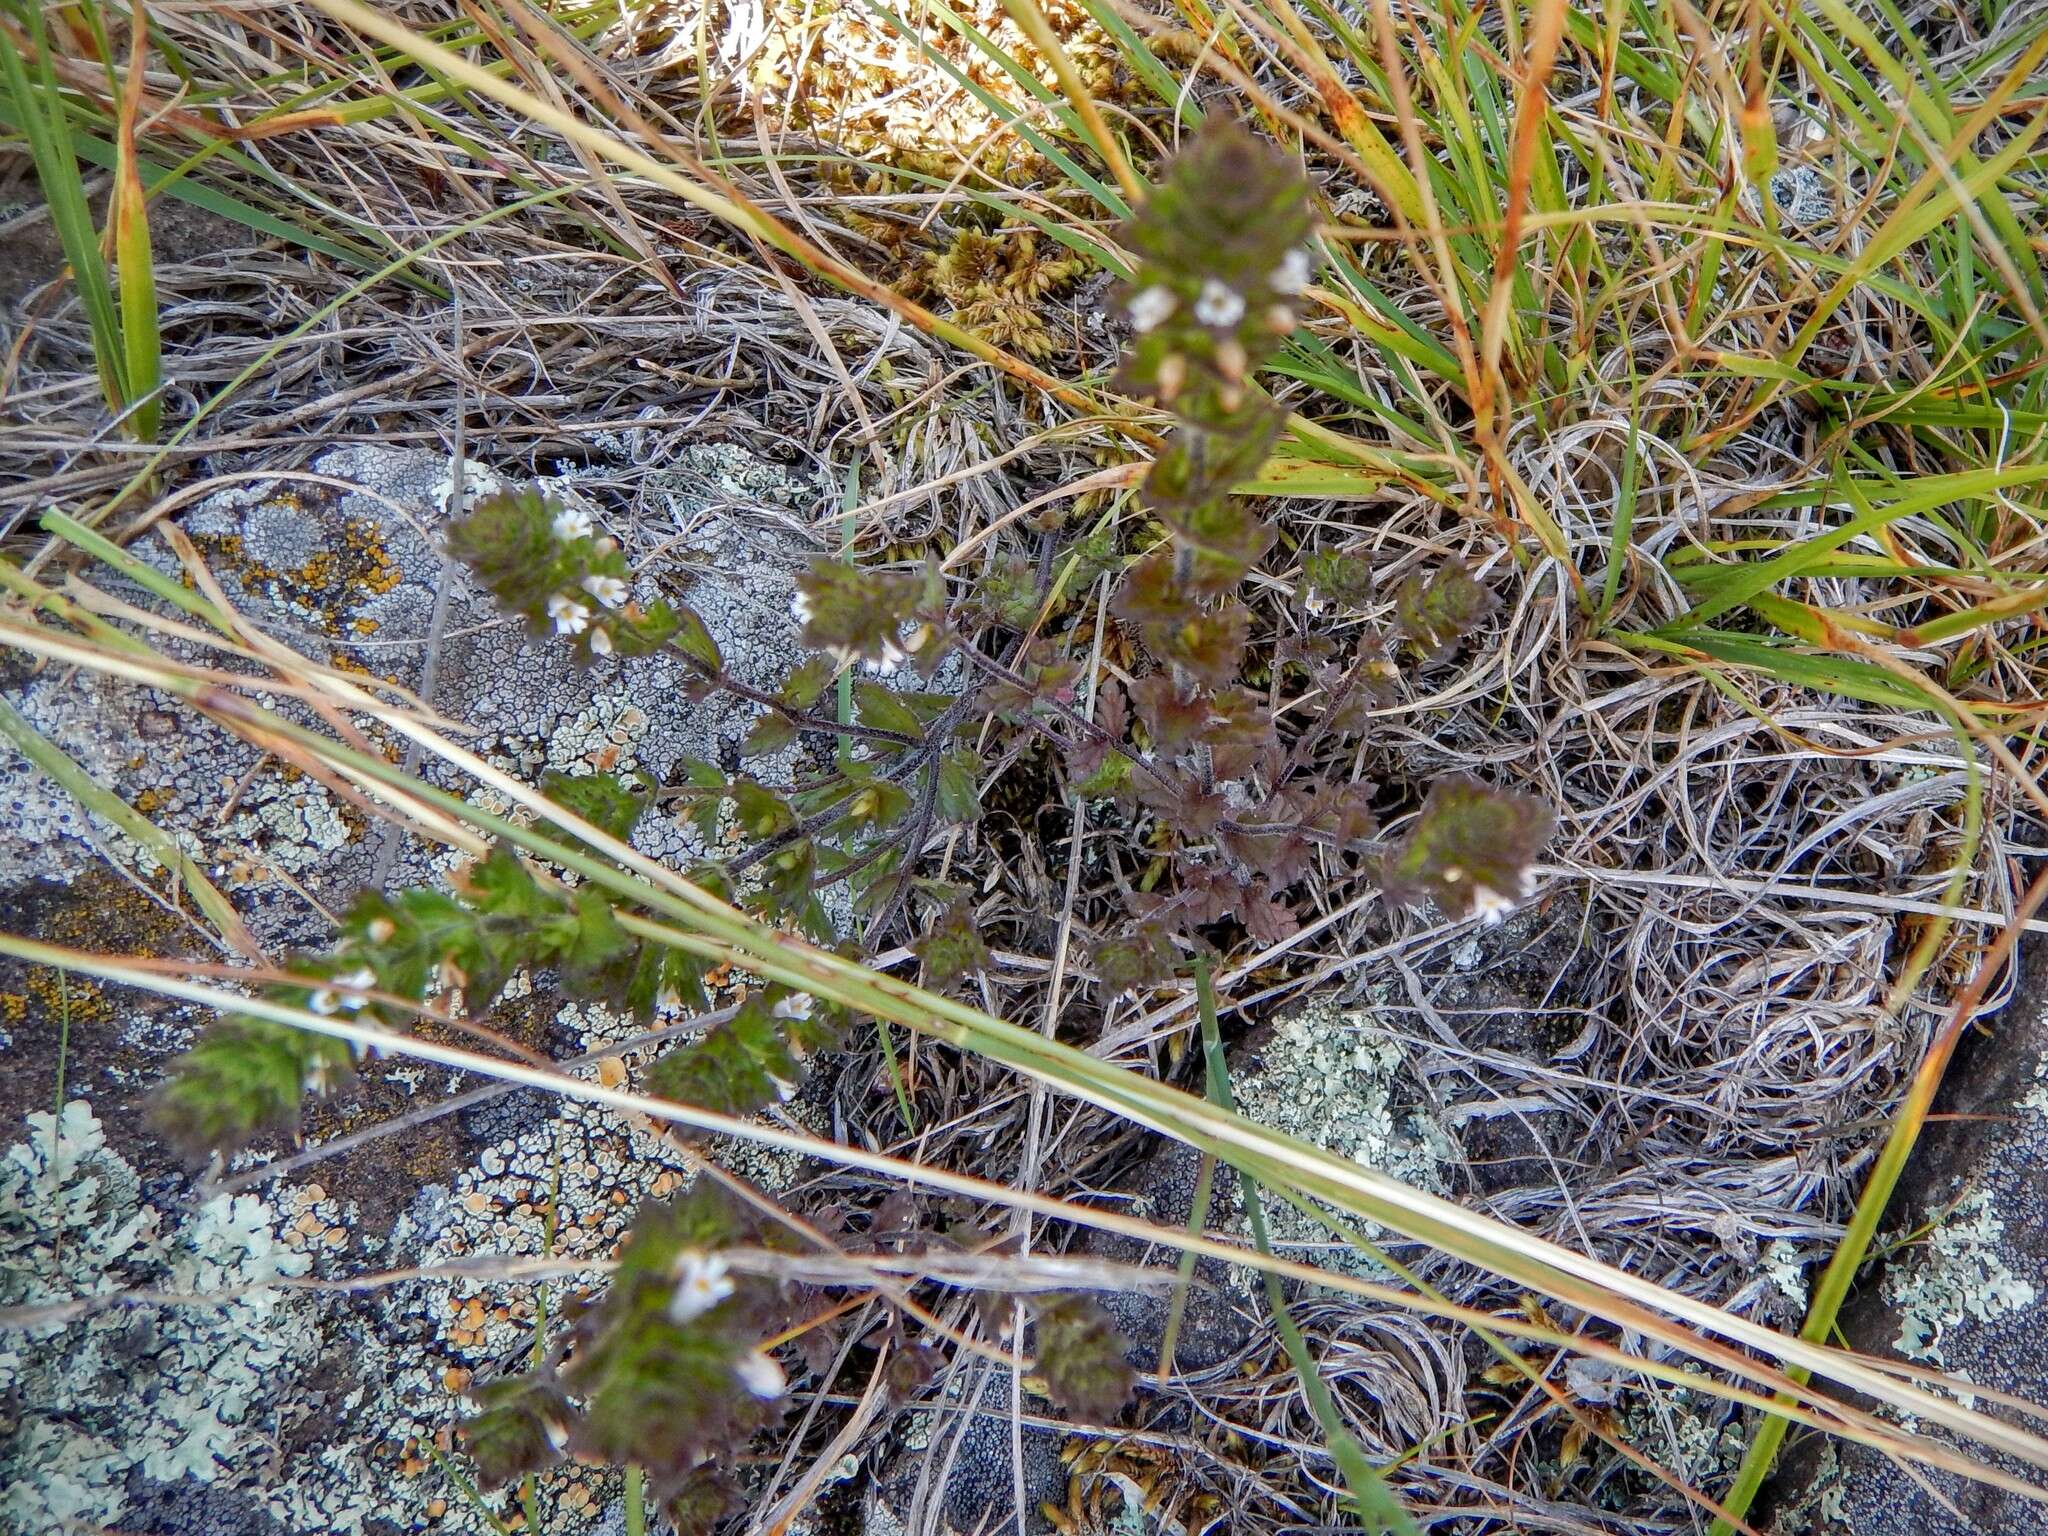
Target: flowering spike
{"points": [[1469, 851], [541, 561]]}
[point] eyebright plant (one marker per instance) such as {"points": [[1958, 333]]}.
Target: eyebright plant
{"points": [[1226, 813], [546, 562], [674, 1369], [1228, 801]]}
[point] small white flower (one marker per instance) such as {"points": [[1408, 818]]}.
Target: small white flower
{"points": [[570, 616], [893, 656], [1152, 308], [556, 1431], [797, 1005], [701, 1284], [1292, 275], [1489, 905], [760, 1375], [1219, 306], [800, 605], [608, 590], [600, 641], [324, 1000], [572, 523], [355, 982]]}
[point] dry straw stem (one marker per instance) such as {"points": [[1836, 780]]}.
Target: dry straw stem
{"points": [[1821, 1412], [720, 934]]}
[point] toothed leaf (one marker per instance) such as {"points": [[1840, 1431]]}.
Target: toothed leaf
{"points": [[1434, 614], [521, 1425]]}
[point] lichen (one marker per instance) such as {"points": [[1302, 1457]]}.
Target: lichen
{"points": [[1326, 1077], [1694, 1433], [1958, 1272], [195, 1390]]}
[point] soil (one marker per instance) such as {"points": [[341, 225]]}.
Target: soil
{"points": [[31, 255]]}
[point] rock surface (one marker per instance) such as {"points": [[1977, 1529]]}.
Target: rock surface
{"points": [[259, 1408], [1965, 1292]]}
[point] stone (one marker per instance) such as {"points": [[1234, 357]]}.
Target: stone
{"points": [[1965, 1297]]}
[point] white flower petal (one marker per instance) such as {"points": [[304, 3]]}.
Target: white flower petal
{"points": [[760, 1375], [702, 1282], [1219, 306], [572, 523], [1489, 905], [1293, 273], [608, 590], [1152, 308]]}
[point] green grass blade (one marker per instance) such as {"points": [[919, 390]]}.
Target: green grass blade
{"points": [[38, 109], [1373, 1501], [134, 265]]}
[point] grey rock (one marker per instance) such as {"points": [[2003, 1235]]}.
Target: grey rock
{"points": [[1970, 1298]]}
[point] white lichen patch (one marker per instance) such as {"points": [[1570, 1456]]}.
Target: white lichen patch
{"points": [[1328, 1078], [1692, 1432], [197, 1390], [600, 737], [1957, 1273], [1785, 1266], [296, 825], [564, 1184]]}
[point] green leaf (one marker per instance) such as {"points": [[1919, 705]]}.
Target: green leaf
{"points": [[771, 733], [664, 977], [1339, 576], [959, 795], [1081, 1358], [244, 1079], [694, 640], [807, 684], [588, 938], [952, 946], [882, 709], [1433, 614], [749, 1061], [857, 615], [408, 940], [503, 886], [611, 804], [762, 813], [521, 1426]]}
